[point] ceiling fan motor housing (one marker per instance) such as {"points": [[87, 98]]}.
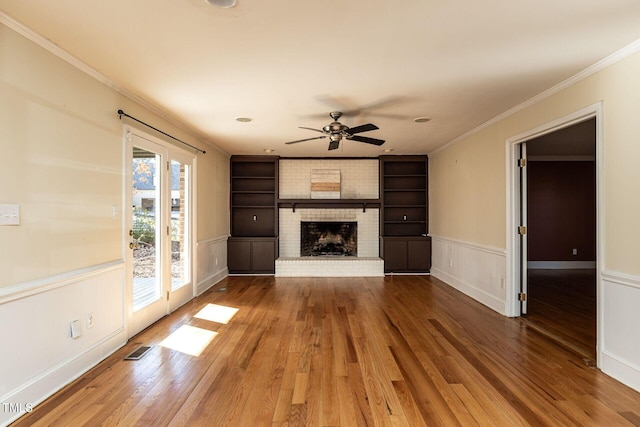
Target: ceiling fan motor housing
{"points": [[335, 127]]}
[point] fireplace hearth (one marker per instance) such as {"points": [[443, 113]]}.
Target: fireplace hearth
{"points": [[328, 238]]}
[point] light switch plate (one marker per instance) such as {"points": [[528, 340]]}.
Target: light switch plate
{"points": [[9, 214]]}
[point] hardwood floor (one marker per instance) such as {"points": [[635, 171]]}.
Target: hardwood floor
{"points": [[562, 304], [399, 350]]}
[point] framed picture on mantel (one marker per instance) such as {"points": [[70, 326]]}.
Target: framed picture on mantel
{"points": [[325, 183]]}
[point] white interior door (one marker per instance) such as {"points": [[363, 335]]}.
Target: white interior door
{"points": [[523, 228], [159, 227]]}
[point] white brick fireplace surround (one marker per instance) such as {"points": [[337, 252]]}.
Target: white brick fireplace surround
{"points": [[359, 180]]}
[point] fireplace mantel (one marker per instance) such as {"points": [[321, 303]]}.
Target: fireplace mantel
{"points": [[329, 203]]}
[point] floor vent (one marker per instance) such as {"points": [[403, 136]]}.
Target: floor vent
{"points": [[223, 289], [137, 354]]}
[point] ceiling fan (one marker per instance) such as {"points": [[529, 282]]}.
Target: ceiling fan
{"points": [[336, 131]]}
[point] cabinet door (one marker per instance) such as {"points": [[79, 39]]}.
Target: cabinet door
{"points": [[238, 255], [263, 256], [418, 255], [395, 255]]}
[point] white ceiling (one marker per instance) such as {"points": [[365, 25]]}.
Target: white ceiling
{"points": [[289, 63]]}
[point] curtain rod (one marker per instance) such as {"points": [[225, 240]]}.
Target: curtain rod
{"points": [[122, 113]]}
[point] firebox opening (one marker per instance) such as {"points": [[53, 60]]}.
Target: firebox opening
{"points": [[328, 238]]}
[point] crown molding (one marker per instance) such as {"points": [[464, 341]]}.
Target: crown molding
{"points": [[587, 72], [56, 50]]}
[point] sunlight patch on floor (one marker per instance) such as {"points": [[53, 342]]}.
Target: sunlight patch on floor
{"points": [[217, 313], [189, 340]]}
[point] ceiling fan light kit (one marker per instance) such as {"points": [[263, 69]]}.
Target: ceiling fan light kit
{"points": [[336, 131]]}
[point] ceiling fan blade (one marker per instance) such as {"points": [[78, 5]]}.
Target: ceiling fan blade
{"points": [[363, 128], [333, 145], [306, 139], [317, 130], [366, 139]]}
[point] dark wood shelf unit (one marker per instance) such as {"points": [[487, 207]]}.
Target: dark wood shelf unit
{"points": [[404, 214], [252, 247]]}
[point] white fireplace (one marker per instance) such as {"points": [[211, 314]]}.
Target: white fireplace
{"points": [[358, 180], [367, 224]]}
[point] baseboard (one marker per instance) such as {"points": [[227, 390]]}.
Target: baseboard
{"points": [[210, 281], [476, 270], [45, 385], [474, 292], [561, 265], [621, 370]]}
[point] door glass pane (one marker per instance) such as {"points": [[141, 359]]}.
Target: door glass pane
{"points": [[180, 245], [146, 228]]}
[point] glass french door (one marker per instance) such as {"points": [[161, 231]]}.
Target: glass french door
{"points": [[159, 262]]}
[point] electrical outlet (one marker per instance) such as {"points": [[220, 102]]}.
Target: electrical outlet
{"points": [[502, 283], [90, 320], [76, 330], [450, 262]]}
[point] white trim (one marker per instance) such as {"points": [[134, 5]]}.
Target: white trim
{"points": [[620, 369], [34, 287], [489, 249], [45, 385], [470, 290], [475, 270], [212, 240], [621, 278], [56, 50], [561, 265], [207, 283], [513, 216], [587, 72]]}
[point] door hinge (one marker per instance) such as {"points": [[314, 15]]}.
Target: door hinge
{"points": [[167, 295], [168, 166], [522, 230], [522, 297], [522, 163]]}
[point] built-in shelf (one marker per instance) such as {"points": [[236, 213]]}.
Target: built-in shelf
{"points": [[253, 245], [404, 223], [329, 203]]}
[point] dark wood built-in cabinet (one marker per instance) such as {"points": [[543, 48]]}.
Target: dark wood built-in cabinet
{"points": [[403, 203], [252, 247], [404, 214]]}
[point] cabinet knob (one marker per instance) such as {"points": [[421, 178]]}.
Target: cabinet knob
{"points": [[404, 217], [255, 217]]}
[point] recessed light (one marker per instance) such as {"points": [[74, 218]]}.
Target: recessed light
{"points": [[223, 4], [244, 119], [268, 150], [421, 119], [388, 150]]}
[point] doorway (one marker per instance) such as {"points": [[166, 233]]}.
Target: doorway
{"points": [[561, 236], [525, 272], [158, 254]]}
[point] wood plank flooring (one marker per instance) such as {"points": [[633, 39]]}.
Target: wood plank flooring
{"points": [[393, 351], [562, 305]]}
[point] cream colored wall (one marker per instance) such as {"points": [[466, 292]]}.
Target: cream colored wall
{"points": [[62, 162], [213, 195], [468, 179]]}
